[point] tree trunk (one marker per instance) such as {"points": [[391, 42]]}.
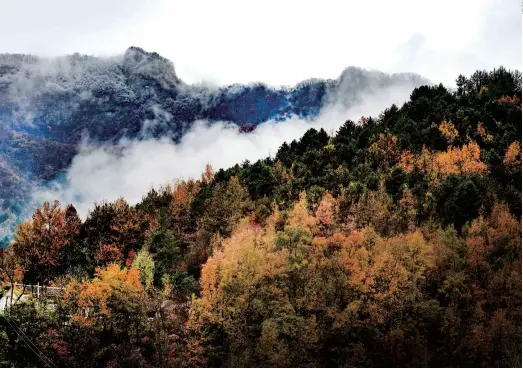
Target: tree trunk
{"points": [[12, 293]]}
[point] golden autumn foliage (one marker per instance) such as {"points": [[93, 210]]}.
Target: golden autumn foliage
{"points": [[182, 196], [112, 290], [325, 211], [279, 173], [483, 132], [408, 210], [258, 271], [208, 174], [385, 150], [227, 282], [464, 160], [494, 256], [299, 216], [448, 131], [487, 236], [512, 160], [461, 161]]}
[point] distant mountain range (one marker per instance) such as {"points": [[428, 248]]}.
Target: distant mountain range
{"points": [[48, 105]]}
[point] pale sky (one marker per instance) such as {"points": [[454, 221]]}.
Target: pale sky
{"points": [[277, 42]]}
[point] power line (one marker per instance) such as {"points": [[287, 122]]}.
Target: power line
{"points": [[20, 334], [27, 344], [34, 345]]}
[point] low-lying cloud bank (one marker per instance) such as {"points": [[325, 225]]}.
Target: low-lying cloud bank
{"points": [[132, 167]]}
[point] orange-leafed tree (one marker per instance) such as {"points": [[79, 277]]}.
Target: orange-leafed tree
{"points": [[325, 213], [208, 174], [466, 160], [512, 160], [111, 226], [456, 160], [299, 216], [112, 308], [494, 258], [37, 243], [11, 273], [385, 151], [279, 173], [448, 131], [108, 254], [111, 298], [408, 211], [228, 283], [180, 208], [482, 131]]}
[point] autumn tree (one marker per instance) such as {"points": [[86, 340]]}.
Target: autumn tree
{"points": [[494, 256], [408, 211], [483, 132], [73, 257], [228, 292], [512, 158], [325, 212], [113, 293], [224, 208], [113, 231], [110, 307], [11, 273], [208, 174], [385, 151], [464, 160], [280, 174], [38, 242], [509, 100], [448, 131], [183, 222]]}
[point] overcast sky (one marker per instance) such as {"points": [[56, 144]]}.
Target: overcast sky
{"points": [[277, 42]]}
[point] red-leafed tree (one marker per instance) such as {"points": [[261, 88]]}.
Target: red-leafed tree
{"points": [[37, 243], [11, 272]]}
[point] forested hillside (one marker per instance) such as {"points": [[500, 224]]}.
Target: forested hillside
{"points": [[394, 242]]}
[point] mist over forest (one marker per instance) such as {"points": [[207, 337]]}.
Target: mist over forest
{"points": [[131, 121]]}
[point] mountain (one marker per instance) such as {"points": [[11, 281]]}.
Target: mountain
{"points": [[48, 105]]}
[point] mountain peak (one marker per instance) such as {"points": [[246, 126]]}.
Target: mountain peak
{"points": [[138, 61]]}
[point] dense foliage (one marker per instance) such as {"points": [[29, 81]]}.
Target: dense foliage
{"points": [[395, 242]]}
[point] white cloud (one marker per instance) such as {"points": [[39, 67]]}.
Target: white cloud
{"points": [[131, 168], [277, 42]]}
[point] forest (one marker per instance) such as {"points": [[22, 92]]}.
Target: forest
{"points": [[394, 242]]}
